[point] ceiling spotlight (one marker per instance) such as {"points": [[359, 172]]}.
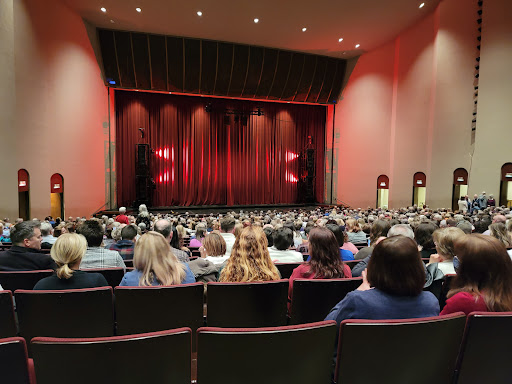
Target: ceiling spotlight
{"points": [[199, 13], [256, 21], [103, 9], [358, 45], [422, 5], [304, 29], [138, 10], [340, 39]]}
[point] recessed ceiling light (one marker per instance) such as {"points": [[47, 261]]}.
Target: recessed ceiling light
{"points": [[103, 9], [199, 13], [138, 10], [422, 5], [256, 20], [304, 29], [358, 45], [340, 39]]}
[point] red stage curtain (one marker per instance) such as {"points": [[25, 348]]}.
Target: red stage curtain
{"points": [[202, 159]]}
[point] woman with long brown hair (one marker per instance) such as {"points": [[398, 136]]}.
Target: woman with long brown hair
{"points": [[325, 261], [250, 260], [483, 276]]}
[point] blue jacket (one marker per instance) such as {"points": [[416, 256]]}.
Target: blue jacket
{"points": [[132, 278]]}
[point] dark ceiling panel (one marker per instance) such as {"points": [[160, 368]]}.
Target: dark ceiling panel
{"points": [[338, 81], [158, 62], [294, 77], [225, 60], [318, 79], [208, 66], [239, 74], [192, 65], [108, 54], [140, 53], [175, 63], [281, 78], [307, 77], [254, 71], [268, 73], [125, 59], [330, 72]]}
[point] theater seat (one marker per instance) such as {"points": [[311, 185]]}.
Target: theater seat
{"points": [[485, 353], [313, 299], [14, 365], [419, 351], [66, 313], [257, 304], [13, 280], [112, 275], [158, 357], [286, 269], [7, 320], [299, 354]]}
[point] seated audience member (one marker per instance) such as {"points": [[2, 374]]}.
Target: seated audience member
{"points": [[163, 226], [269, 232], [126, 245], [250, 260], [280, 252], [155, 264], [444, 240], [24, 254], [483, 276], [95, 256], [47, 233], [304, 247], [355, 232], [4, 234], [495, 219], [214, 248], [392, 286], [227, 229], [122, 218], [324, 262], [67, 252], [465, 226], [198, 240], [177, 244], [347, 245], [380, 229], [238, 229], [499, 231], [339, 234], [423, 235]]}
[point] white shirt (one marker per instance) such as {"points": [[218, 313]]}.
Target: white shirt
{"points": [[49, 239], [217, 260], [286, 256], [229, 238], [446, 267]]}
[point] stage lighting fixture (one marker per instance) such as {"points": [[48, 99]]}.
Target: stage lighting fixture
{"points": [[208, 108], [259, 113]]}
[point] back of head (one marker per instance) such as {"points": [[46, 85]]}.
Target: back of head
{"points": [[214, 244], [283, 238], [250, 260], [325, 254], [153, 257], [227, 224], [163, 227], [269, 232], [499, 231], [122, 210], [129, 232], [352, 225], [401, 229], [485, 267], [465, 226], [423, 235], [92, 230], [338, 233], [396, 267], [445, 239], [200, 231], [46, 228], [380, 228], [67, 252], [23, 230]]}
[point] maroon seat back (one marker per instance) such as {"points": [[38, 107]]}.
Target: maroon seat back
{"points": [[14, 367], [112, 275], [13, 280], [286, 269], [7, 319]]}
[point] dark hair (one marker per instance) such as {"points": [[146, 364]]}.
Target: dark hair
{"points": [[423, 235], [338, 233], [200, 232], [164, 230], [308, 229], [23, 230], [396, 267], [227, 224], [269, 232], [175, 239], [283, 238], [380, 228], [93, 232], [485, 268], [325, 254], [129, 232]]}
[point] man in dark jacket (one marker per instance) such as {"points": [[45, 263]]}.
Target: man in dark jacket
{"points": [[25, 254]]}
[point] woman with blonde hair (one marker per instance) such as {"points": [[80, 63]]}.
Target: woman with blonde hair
{"points": [[444, 241], [250, 259], [155, 264], [354, 231], [67, 252], [499, 231]]}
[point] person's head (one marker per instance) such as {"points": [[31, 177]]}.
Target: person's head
{"points": [[499, 231], [250, 259], [283, 238], [27, 234], [485, 267], [163, 226], [200, 232], [214, 244], [227, 224], [46, 229], [93, 232], [129, 232], [444, 240], [338, 233], [499, 219], [465, 226], [352, 226], [325, 254], [380, 228], [396, 267], [269, 232], [143, 208], [423, 235], [122, 210], [238, 229], [153, 257], [401, 229], [67, 252]]}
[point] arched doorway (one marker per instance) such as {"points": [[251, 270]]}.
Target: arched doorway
{"points": [[419, 189], [460, 186], [23, 194], [506, 185], [57, 195], [382, 191]]}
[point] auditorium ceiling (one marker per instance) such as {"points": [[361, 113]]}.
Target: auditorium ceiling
{"points": [[369, 23]]}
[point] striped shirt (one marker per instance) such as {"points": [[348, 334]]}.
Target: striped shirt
{"points": [[96, 257]]}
